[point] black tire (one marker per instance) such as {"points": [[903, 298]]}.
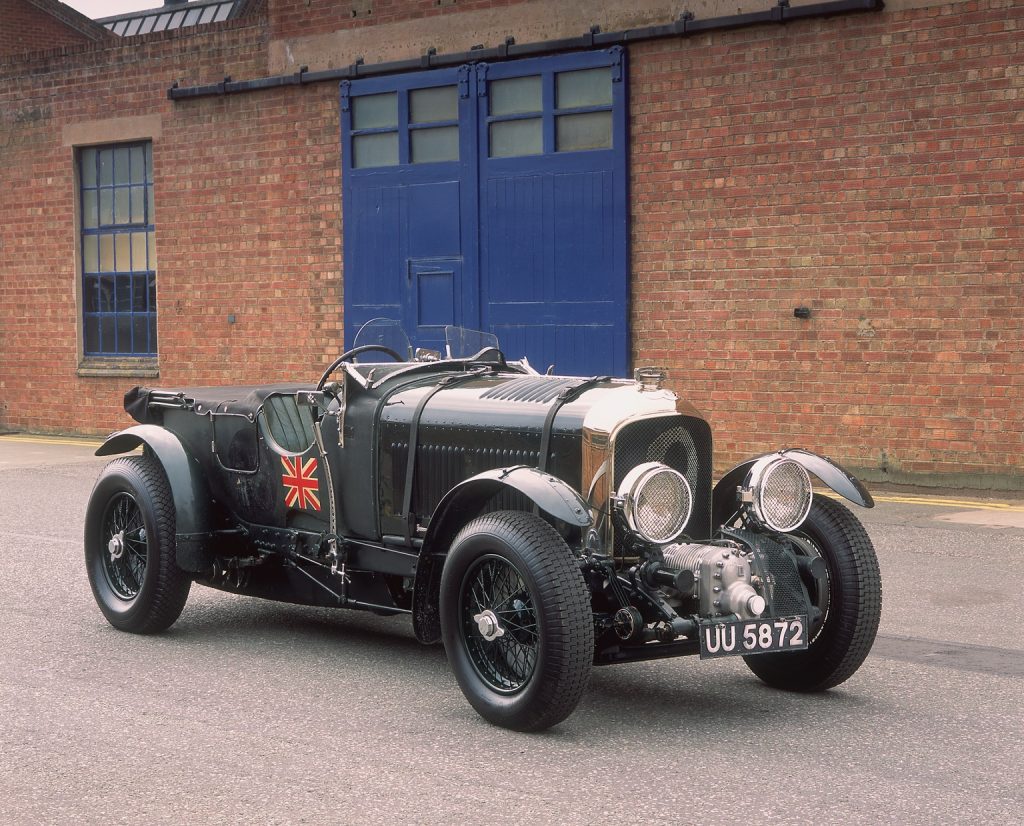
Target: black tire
{"points": [[852, 606], [516, 566], [130, 545]]}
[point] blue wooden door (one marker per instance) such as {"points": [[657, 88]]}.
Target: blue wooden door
{"points": [[494, 197], [409, 178]]}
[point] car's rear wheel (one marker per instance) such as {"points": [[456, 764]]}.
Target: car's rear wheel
{"points": [[129, 547], [516, 621], [850, 605]]}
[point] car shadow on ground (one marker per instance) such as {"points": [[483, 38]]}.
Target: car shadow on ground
{"points": [[635, 697], [702, 691], [245, 624]]}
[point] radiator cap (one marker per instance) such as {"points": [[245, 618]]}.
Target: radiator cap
{"points": [[650, 379]]}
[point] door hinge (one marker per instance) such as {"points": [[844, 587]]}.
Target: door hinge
{"points": [[464, 81], [481, 80], [346, 94], [616, 53]]}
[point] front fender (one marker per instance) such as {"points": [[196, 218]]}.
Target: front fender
{"points": [[723, 498], [549, 493], [188, 487]]}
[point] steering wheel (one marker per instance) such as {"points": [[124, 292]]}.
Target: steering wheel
{"points": [[349, 354]]}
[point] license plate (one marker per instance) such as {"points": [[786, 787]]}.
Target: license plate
{"points": [[739, 637]]}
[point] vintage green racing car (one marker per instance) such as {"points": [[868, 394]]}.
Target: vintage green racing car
{"points": [[535, 524]]}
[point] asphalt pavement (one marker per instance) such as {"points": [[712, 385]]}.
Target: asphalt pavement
{"points": [[255, 712]]}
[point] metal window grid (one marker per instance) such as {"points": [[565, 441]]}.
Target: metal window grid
{"points": [[117, 248]]}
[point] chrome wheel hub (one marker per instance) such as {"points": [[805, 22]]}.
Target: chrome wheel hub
{"points": [[115, 547], [488, 626]]}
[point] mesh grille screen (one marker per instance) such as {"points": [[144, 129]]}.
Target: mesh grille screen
{"points": [[787, 592], [682, 443]]}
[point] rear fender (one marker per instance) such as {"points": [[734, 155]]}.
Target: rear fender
{"points": [[463, 502], [723, 498], [188, 488]]}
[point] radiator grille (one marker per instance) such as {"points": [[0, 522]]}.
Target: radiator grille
{"points": [[682, 443]]}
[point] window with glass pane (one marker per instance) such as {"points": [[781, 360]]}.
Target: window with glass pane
{"points": [[118, 250], [433, 124], [434, 145], [516, 95], [514, 138], [375, 130], [439, 103], [588, 130], [583, 101], [375, 111], [375, 149], [511, 134]]}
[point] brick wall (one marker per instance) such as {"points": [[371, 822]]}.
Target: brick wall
{"points": [[26, 28], [289, 18], [872, 169], [247, 221], [259, 238], [869, 167]]}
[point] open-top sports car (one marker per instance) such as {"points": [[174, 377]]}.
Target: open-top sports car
{"points": [[536, 524]]}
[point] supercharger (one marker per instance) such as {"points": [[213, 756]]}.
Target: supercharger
{"points": [[724, 581]]}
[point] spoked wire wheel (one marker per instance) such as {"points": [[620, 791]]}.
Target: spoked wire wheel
{"points": [[516, 620], [499, 624], [130, 547], [124, 535]]}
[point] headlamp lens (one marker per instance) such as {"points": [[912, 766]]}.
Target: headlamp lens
{"points": [[783, 495], [657, 502]]}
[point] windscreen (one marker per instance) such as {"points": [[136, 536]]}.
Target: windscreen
{"points": [[463, 343], [384, 332]]}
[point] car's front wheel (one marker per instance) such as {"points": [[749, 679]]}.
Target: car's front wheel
{"points": [[516, 621], [849, 603], [129, 547]]}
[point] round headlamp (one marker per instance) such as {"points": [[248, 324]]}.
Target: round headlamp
{"points": [[779, 494], [656, 502]]}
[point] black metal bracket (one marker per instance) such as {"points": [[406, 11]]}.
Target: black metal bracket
{"points": [[683, 26], [569, 394], [408, 516]]}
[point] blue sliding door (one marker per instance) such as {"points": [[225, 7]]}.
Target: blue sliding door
{"points": [[493, 196]]}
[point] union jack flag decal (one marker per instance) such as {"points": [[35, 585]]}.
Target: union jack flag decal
{"points": [[300, 483]]}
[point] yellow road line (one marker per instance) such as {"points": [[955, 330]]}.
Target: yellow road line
{"points": [[51, 440], [952, 503], [939, 502]]}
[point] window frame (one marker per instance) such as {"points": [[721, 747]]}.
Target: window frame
{"points": [[405, 126], [550, 111], [136, 358]]}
